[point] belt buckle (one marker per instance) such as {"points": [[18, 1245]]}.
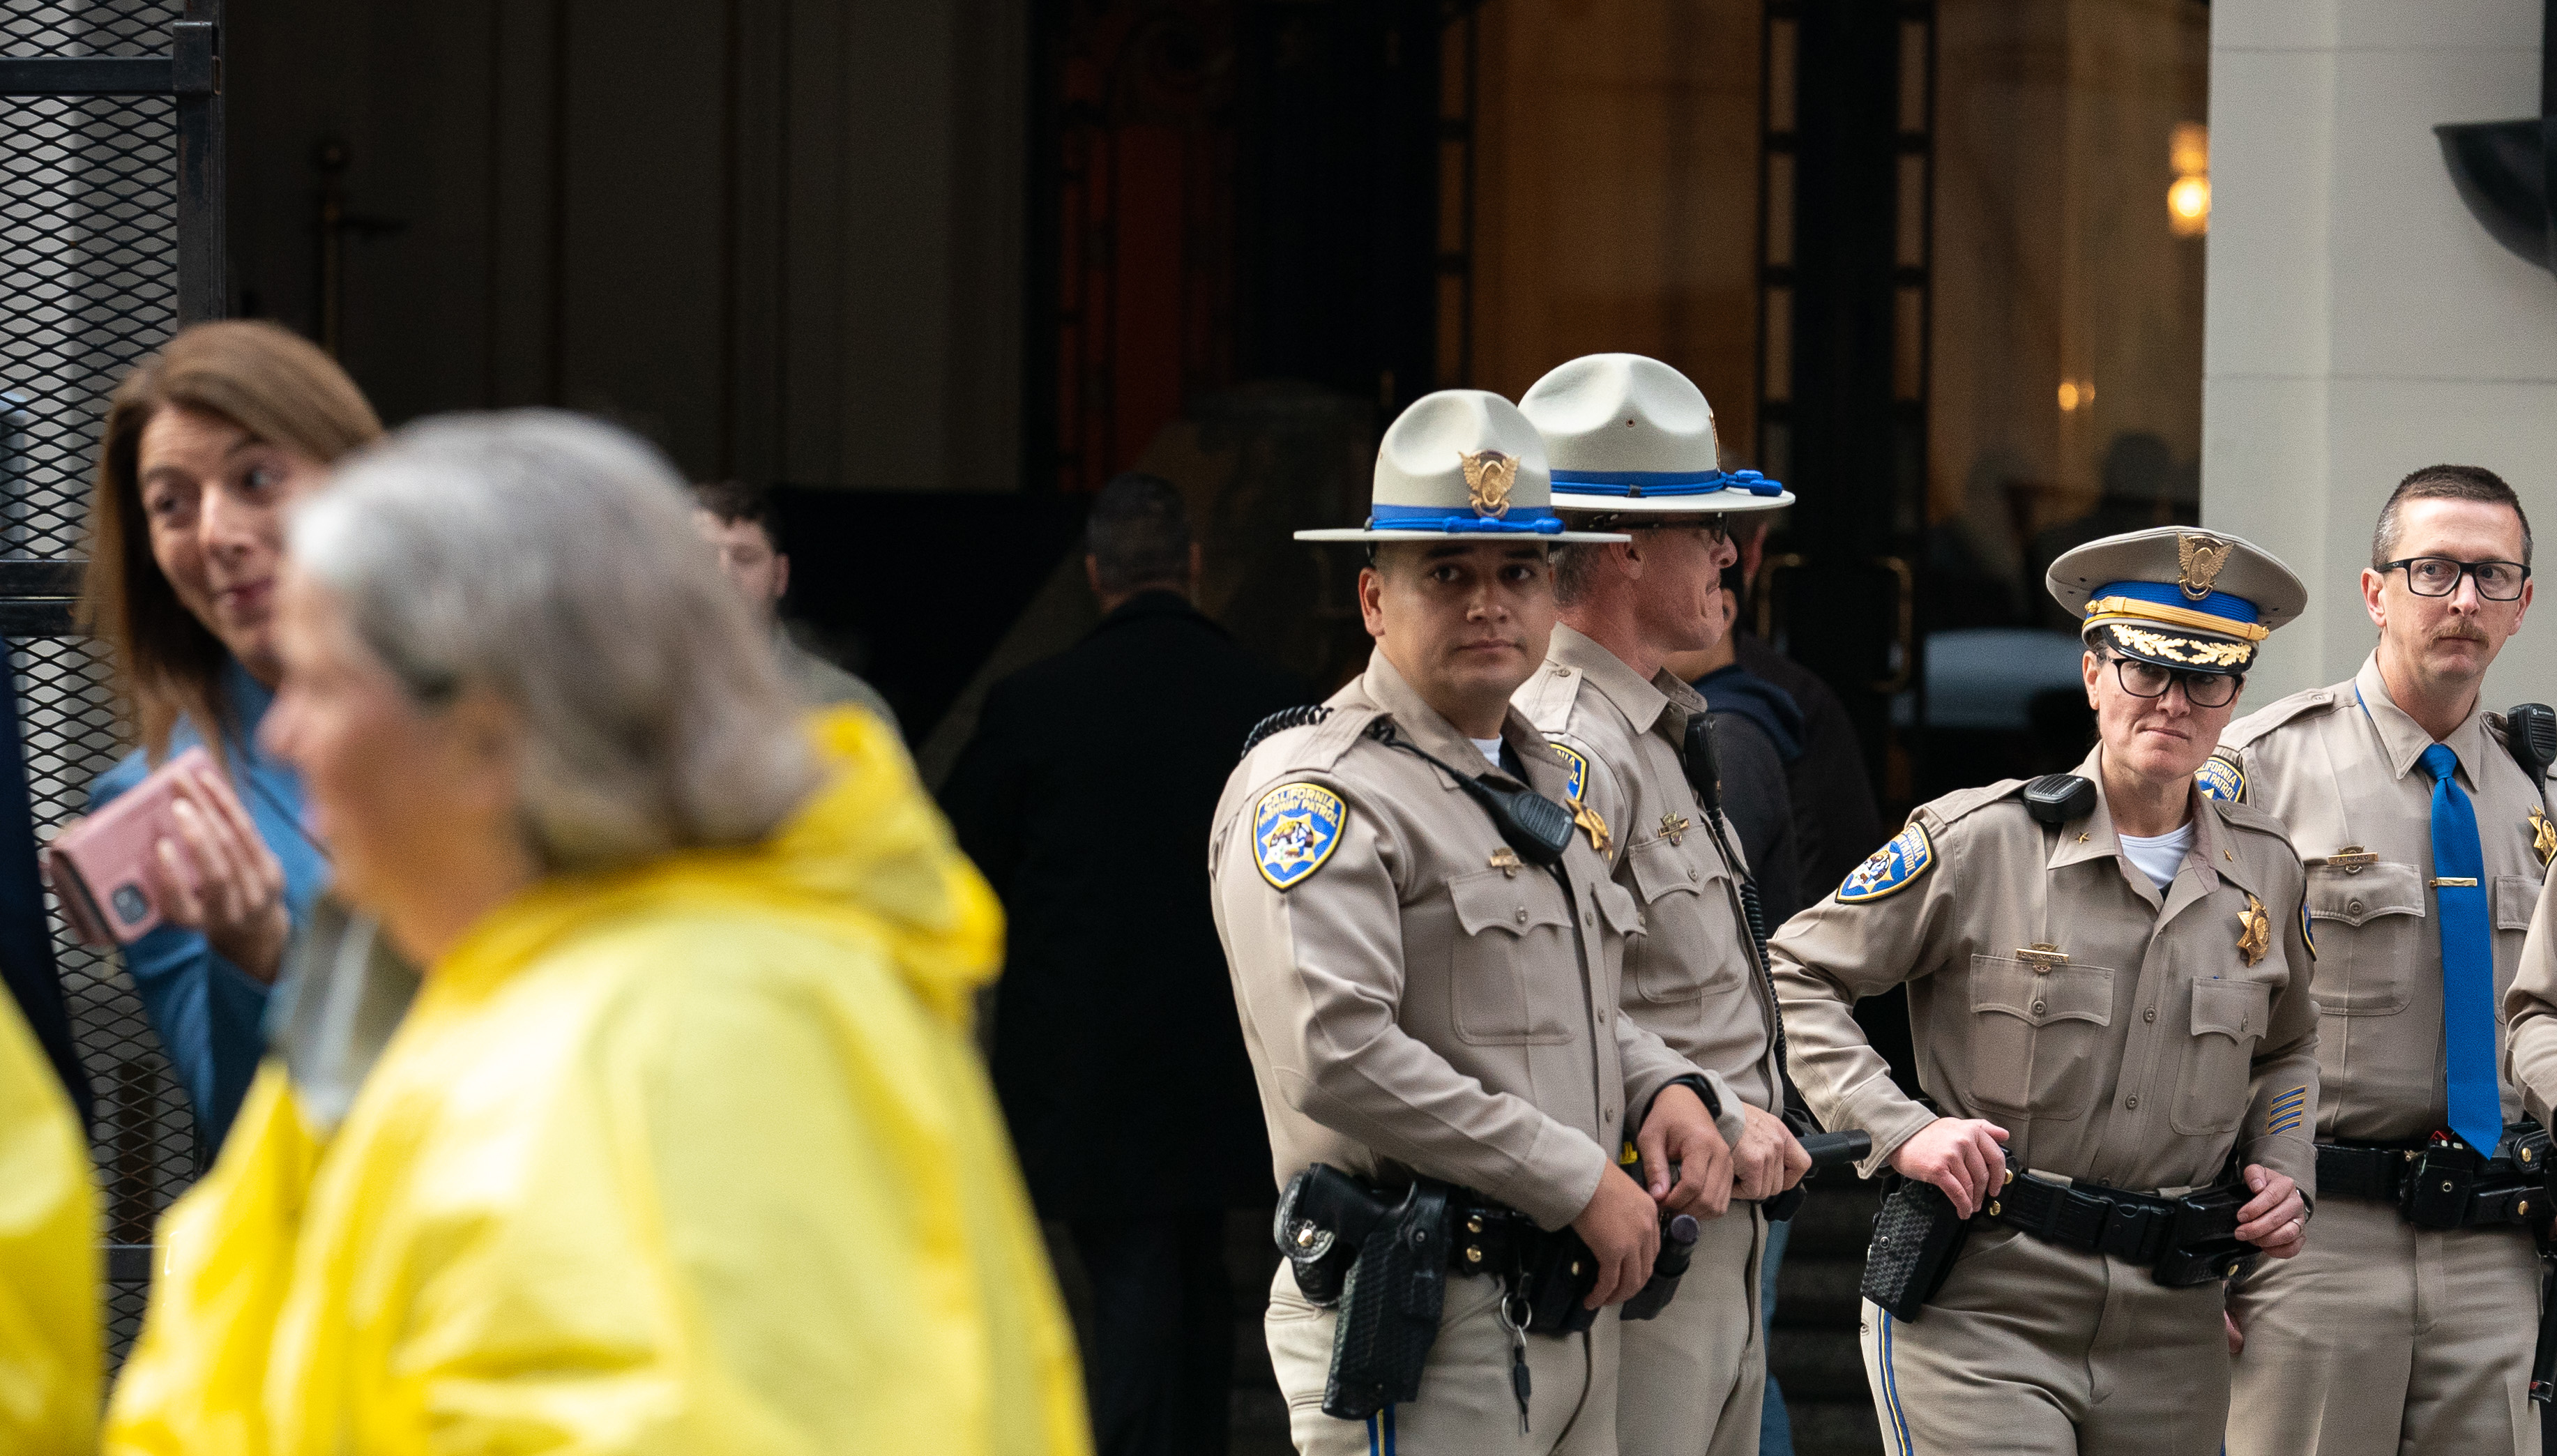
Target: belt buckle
{"points": [[2129, 1232]]}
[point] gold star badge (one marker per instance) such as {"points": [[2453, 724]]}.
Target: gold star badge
{"points": [[2255, 932], [2543, 838], [1595, 827], [1673, 828]]}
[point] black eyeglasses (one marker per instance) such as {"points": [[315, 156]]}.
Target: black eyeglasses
{"points": [[2201, 689], [2439, 576]]}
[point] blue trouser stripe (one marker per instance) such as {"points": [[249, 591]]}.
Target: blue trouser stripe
{"points": [[1891, 1388]]}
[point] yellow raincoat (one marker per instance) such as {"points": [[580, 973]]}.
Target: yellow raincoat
{"points": [[48, 1288], [692, 1157]]}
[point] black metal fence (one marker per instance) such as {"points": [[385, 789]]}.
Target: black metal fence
{"points": [[111, 231]]}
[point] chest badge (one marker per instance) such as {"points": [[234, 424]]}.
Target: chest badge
{"points": [[2352, 859], [1294, 828], [2254, 932], [1506, 861], [1673, 828], [2543, 838], [2042, 955], [1591, 825]]}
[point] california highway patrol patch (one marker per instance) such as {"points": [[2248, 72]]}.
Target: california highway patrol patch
{"points": [[1889, 870], [2221, 778], [1579, 768], [1294, 828], [2307, 932]]}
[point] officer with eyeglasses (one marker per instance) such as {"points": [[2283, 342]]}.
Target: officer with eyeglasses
{"points": [[2407, 1325], [2109, 993]]}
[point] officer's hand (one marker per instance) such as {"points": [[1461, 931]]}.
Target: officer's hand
{"points": [[1678, 1130], [1622, 1226], [1960, 1155], [2236, 1336], [2275, 1220], [1769, 1159]]}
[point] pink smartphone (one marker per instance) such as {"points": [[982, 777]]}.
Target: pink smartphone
{"points": [[98, 866]]}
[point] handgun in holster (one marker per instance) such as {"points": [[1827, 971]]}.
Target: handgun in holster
{"points": [[1916, 1236], [1385, 1264]]}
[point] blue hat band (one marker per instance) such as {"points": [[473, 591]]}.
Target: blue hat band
{"points": [[1522, 520], [1644, 485], [2167, 594]]}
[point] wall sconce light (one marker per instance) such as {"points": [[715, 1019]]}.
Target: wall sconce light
{"points": [[2075, 394], [2187, 199]]}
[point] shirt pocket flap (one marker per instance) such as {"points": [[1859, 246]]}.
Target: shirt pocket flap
{"points": [[2238, 1009], [1492, 900], [1616, 906], [2355, 896], [1663, 869], [2515, 897], [2040, 997]]}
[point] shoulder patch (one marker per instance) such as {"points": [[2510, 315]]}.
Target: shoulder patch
{"points": [[1890, 870], [2221, 778], [1578, 766], [1294, 828], [2308, 930]]}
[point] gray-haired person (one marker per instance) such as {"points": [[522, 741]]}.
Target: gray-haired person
{"points": [[683, 1145]]}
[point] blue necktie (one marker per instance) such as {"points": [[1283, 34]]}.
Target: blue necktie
{"points": [[2468, 957]]}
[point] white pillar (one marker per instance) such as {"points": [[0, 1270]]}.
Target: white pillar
{"points": [[2358, 322]]}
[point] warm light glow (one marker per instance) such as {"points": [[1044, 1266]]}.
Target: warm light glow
{"points": [[2069, 394], [2188, 206], [2188, 152]]}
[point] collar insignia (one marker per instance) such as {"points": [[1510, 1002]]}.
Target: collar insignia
{"points": [[1489, 474], [2202, 558], [2254, 932]]}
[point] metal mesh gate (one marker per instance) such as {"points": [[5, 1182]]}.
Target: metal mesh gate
{"points": [[109, 240]]}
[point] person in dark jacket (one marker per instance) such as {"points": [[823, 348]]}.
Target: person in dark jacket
{"points": [[1086, 797]]}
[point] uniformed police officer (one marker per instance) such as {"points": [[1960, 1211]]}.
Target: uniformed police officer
{"points": [[2108, 982], [1633, 449], [1421, 999], [2424, 842]]}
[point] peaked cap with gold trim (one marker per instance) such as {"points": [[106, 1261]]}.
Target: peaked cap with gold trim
{"points": [[1457, 464], [2178, 597]]}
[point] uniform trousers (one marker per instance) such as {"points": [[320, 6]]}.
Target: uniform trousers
{"points": [[2033, 1349], [1694, 1379], [2387, 1339], [1466, 1405]]}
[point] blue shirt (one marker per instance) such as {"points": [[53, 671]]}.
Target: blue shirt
{"points": [[210, 1013]]}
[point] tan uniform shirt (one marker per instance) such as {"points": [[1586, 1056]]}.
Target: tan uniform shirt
{"points": [[1408, 1003], [2337, 767], [2137, 1062], [1689, 975]]}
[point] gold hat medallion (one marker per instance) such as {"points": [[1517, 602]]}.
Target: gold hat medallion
{"points": [[1489, 474], [2202, 558]]}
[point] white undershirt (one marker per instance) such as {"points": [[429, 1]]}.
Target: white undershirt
{"points": [[2160, 855], [1490, 750]]}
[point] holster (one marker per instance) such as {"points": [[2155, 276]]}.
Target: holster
{"points": [[1916, 1236], [1385, 1264], [2440, 1182]]}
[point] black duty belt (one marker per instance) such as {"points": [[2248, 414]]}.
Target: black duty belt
{"points": [[2191, 1240], [2440, 1182]]}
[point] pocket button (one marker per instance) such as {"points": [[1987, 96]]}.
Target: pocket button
{"points": [[2353, 905], [1521, 914]]}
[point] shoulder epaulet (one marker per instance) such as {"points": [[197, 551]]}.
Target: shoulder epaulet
{"points": [[1963, 803], [1547, 697], [1318, 736], [2246, 731]]}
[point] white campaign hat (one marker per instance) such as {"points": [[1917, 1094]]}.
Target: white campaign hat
{"points": [[1630, 435], [1460, 462]]}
